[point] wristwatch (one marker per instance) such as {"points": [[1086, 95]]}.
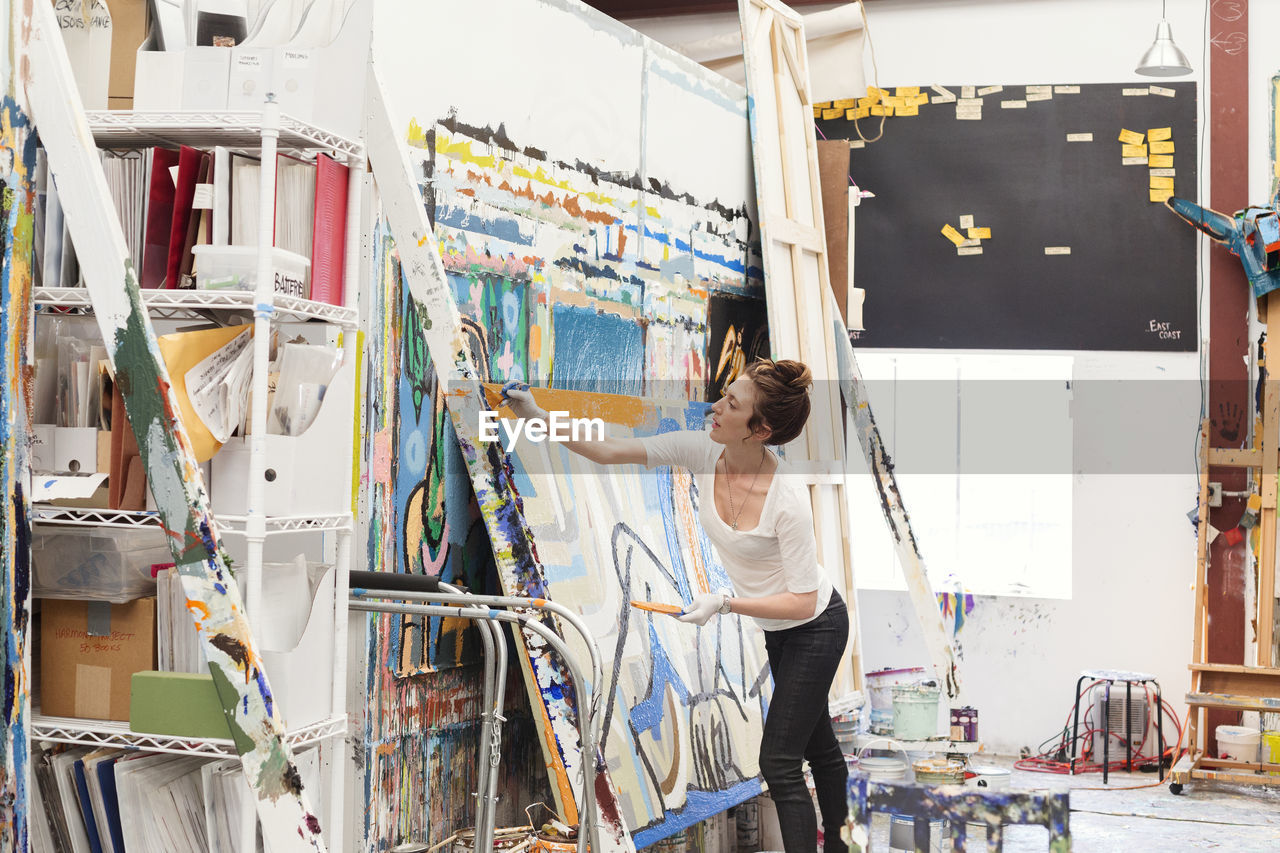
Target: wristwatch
{"points": [[724, 605]]}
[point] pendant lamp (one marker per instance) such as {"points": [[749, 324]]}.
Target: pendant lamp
{"points": [[1163, 59]]}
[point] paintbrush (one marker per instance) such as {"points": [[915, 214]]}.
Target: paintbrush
{"points": [[493, 394], [655, 607]]}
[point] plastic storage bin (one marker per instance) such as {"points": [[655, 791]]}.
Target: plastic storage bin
{"points": [[236, 268], [95, 563]]}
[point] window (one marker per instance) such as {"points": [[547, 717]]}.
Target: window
{"points": [[982, 451]]}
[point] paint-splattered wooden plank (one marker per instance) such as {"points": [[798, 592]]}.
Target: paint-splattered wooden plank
{"points": [[512, 541], [1226, 700], [17, 168], [905, 546], [214, 600]]}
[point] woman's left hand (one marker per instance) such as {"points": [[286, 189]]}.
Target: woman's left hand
{"points": [[702, 608]]}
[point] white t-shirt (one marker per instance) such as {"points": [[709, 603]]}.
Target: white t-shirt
{"points": [[779, 554]]}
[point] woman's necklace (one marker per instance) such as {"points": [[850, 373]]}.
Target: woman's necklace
{"points": [[728, 482]]}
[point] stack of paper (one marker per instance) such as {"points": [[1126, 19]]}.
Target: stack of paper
{"points": [[163, 797], [178, 644]]}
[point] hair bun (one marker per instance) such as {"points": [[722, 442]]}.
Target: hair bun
{"points": [[795, 374]]}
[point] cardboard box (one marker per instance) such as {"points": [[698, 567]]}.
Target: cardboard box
{"points": [[89, 652], [128, 32]]}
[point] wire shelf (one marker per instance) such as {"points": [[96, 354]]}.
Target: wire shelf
{"points": [[243, 130], [233, 524], [186, 303], [112, 733]]}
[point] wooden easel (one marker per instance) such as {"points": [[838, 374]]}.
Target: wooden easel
{"points": [[1232, 686]]}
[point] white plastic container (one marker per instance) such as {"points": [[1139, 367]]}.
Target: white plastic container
{"points": [[991, 778], [236, 268], [1238, 743]]}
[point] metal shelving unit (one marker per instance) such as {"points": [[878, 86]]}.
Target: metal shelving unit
{"points": [[184, 304], [115, 734], [68, 516], [263, 133], [242, 130]]}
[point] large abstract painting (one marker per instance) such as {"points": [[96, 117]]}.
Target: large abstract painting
{"points": [[592, 215], [682, 706]]}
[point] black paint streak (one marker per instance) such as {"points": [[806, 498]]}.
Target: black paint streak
{"points": [[631, 180]]}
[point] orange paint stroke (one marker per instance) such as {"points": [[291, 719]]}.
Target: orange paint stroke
{"points": [[611, 408], [195, 606], [656, 607]]}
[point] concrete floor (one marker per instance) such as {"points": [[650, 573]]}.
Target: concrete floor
{"points": [[1205, 816]]}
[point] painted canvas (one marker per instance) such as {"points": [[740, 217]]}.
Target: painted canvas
{"points": [[683, 706], [590, 213], [17, 194]]}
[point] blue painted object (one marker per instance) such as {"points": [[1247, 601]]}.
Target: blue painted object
{"points": [[1252, 235], [960, 806]]}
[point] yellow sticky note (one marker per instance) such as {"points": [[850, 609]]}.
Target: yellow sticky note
{"points": [[1130, 137], [952, 234], [1161, 183], [894, 101], [979, 233], [832, 113], [1165, 147], [881, 110], [1160, 161], [845, 103], [857, 113], [919, 99], [911, 110], [906, 91], [1160, 196], [1156, 134], [1133, 151], [875, 94], [817, 111], [865, 102]]}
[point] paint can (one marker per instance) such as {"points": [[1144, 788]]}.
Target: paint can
{"points": [[411, 847], [1238, 743], [1271, 749], [938, 771], [902, 834], [846, 731], [991, 778], [964, 724], [880, 691], [915, 711]]}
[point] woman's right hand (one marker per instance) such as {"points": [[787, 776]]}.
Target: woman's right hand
{"points": [[521, 401]]}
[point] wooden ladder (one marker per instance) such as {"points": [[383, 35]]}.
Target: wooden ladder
{"points": [[1235, 687]]}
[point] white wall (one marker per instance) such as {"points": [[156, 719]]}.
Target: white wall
{"points": [[1133, 547]]}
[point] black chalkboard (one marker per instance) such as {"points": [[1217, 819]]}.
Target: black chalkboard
{"points": [[1129, 282]]}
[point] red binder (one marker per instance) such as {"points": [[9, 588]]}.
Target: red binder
{"points": [[160, 192], [189, 160], [329, 231]]}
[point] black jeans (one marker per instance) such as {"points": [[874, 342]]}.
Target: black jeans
{"points": [[804, 661]]}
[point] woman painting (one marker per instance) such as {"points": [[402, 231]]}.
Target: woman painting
{"points": [[762, 526]]}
